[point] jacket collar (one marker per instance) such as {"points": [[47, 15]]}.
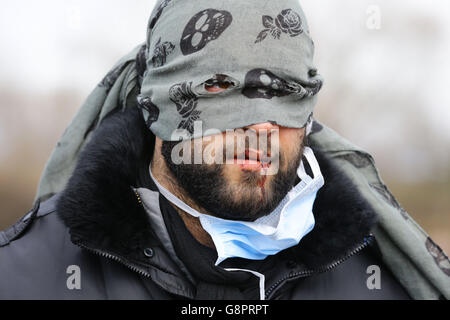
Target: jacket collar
{"points": [[100, 208]]}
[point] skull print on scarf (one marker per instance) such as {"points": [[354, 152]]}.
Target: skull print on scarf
{"points": [[205, 26], [261, 83]]}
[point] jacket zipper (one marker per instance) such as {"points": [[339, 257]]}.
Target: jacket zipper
{"points": [[269, 291], [115, 258], [307, 273]]}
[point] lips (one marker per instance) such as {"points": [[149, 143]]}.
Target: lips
{"points": [[252, 159]]}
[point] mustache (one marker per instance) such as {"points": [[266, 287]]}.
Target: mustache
{"points": [[244, 146], [239, 146]]}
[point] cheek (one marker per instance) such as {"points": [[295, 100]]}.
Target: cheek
{"points": [[290, 140], [213, 152]]}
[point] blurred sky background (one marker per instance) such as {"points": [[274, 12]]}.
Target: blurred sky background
{"points": [[387, 87]]}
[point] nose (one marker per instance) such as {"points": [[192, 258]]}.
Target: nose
{"points": [[267, 126]]}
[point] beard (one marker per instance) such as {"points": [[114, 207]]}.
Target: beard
{"points": [[250, 197]]}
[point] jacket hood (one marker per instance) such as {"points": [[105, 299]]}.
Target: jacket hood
{"points": [[101, 210]]}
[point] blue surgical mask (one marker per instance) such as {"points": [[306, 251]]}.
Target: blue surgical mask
{"points": [[283, 228]]}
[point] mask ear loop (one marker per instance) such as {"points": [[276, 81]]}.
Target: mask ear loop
{"points": [[312, 161], [301, 172], [172, 198], [309, 125]]}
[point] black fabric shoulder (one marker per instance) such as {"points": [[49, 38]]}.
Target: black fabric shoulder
{"points": [[19, 228]]}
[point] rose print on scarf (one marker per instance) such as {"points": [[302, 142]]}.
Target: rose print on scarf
{"points": [[158, 13], [288, 21], [151, 111], [160, 53], [186, 101]]}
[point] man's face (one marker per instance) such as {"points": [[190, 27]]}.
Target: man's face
{"points": [[243, 183]]}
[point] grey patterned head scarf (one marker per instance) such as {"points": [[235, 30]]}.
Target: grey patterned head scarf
{"points": [[259, 53]]}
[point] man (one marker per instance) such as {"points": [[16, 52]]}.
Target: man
{"points": [[203, 175]]}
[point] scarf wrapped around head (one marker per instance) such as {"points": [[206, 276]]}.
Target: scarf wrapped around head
{"points": [[227, 64], [258, 53]]}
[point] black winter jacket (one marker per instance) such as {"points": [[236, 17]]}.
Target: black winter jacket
{"points": [[95, 240]]}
